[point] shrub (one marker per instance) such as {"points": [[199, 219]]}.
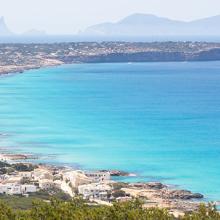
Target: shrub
{"points": [[77, 209]]}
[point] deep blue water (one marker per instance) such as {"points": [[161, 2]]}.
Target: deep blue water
{"points": [[159, 120]]}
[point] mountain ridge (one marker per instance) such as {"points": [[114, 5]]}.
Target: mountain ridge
{"points": [[147, 24]]}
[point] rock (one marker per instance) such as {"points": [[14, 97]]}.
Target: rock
{"points": [[150, 185], [198, 195], [155, 185], [18, 156], [138, 185], [118, 173], [180, 194]]}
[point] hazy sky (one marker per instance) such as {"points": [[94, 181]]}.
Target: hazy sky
{"points": [[69, 16]]}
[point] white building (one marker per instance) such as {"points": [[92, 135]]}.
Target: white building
{"points": [[11, 189], [42, 173], [28, 188], [4, 177], [98, 176], [94, 191], [46, 184], [17, 189], [26, 174], [76, 178]]}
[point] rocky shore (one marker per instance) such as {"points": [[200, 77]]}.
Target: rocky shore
{"points": [[95, 186], [15, 157], [6, 69], [160, 195]]}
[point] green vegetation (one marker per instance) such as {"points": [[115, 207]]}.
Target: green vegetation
{"points": [[4, 164], [24, 203], [204, 213], [77, 209], [6, 168], [118, 193], [21, 167], [119, 185]]}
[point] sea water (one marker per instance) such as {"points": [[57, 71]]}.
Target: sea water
{"points": [[158, 120]]}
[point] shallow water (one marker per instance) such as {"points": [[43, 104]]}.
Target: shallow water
{"points": [[159, 120]]}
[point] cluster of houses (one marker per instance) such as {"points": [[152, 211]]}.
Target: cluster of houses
{"points": [[90, 185], [95, 186]]}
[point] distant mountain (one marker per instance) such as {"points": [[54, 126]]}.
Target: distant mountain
{"points": [[34, 32], [4, 30], [150, 25]]}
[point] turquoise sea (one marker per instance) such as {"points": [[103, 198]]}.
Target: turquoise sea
{"points": [[159, 120]]}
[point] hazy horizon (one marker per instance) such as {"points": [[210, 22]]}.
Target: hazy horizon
{"points": [[71, 16]]}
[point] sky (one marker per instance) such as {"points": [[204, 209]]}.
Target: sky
{"points": [[71, 16]]}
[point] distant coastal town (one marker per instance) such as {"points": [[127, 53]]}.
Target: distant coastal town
{"points": [[21, 57]]}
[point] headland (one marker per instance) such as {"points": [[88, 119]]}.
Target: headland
{"points": [[21, 57]]}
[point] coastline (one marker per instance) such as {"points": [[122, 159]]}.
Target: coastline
{"points": [[154, 194], [134, 190], [13, 69], [21, 57], [10, 69]]}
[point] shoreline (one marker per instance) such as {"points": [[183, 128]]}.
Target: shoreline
{"points": [[155, 194], [13, 69], [8, 70]]}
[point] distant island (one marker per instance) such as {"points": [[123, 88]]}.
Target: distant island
{"points": [[133, 27], [6, 32], [138, 25], [20, 57]]}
